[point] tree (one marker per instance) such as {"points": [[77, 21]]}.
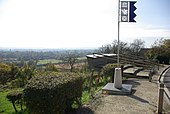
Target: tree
{"points": [[136, 46], [4, 72], [160, 51], [51, 67], [106, 49], [71, 58], [112, 48], [22, 75]]}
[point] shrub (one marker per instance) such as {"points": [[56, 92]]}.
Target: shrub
{"points": [[108, 70], [15, 96], [4, 73], [53, 93]]}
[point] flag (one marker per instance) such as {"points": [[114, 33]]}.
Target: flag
{"points": [[127, 11]]}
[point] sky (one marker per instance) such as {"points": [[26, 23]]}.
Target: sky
{"points": [[79, 23]]}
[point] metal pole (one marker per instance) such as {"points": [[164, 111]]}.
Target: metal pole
{"points": [[160, 98], [118, 49]]}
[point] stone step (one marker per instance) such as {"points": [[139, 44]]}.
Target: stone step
{"points": [[127, 66], [144, 73], [133, 70]]}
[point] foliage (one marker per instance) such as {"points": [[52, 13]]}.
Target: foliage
{"points": [[25, 73], [160, 51], [51, 67], [34, 55], [15, 75], [53, 93], [108, 69], [15, 96], [4, 72]]}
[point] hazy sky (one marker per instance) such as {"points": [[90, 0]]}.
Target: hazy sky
{"points": [[78, 23]]}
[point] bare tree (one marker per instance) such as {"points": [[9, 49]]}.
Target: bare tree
{"points": [[136, 46], [106, 49], [112, 48], [71, 58]]}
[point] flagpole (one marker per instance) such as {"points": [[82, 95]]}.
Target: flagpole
{"points": [[118, 49]]}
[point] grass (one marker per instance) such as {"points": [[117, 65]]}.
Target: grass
{"points": [[85, 97], [45, 61], [6, 106]]}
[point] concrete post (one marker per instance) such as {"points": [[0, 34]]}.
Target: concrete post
{"points": [[118, 78], [160, 98]]}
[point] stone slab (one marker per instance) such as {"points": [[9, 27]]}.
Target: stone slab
{"points": [[110, 89], [143, 73]]}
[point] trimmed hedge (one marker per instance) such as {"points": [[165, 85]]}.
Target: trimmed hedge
{"points": [[53, 93]]}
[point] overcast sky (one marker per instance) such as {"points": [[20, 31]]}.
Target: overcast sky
{"points": [[78, 23]]}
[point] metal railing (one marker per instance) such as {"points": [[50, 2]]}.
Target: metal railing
{"points": [[162, 90]]}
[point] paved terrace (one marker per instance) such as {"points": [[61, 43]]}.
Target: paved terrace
{"points": [[143, 99]]}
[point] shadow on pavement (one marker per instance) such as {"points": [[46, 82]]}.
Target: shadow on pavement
{"points": [[139, 99], [132, 82], [82, 110]]}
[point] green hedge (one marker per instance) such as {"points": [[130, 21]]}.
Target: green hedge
{"points": [[53, 93]]}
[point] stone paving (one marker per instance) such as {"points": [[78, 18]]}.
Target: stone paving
{"points": [[143, 99]]}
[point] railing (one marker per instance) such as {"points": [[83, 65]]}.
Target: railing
{"points": [[130, 59], [162, 73], [162, 90], [139, 61]]}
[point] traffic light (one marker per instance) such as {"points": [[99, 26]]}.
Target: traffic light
{"points": [[132, 14]]}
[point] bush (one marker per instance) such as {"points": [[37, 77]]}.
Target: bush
{"points": [[108, 70], [4, 73], [53, 93], [163, 59], [15, 96]]}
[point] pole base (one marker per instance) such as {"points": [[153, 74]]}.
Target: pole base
{"points": [[111, 90]]}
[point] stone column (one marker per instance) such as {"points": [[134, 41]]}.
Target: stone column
{"points": [[118, 78]]}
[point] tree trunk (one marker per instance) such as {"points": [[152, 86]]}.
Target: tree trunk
{"points": [[13, 103]]}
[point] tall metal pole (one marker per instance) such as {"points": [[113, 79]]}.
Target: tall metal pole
{"points": [[118, 49]]}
